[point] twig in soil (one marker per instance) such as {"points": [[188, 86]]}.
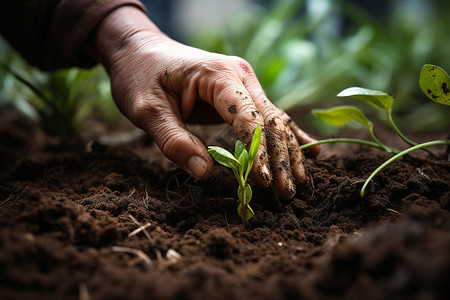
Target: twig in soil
{"points": [[159, 257], [226, 221], [141, 228], [394, 211], [14, 196], [311, 179], [131, 193], [83, 292], [145, 200], [421, 173], [139, 253]]}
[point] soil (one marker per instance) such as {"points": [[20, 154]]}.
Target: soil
{"points": [[110, 222]]}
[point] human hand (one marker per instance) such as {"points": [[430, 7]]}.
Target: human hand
{"points": [[156, 82]]}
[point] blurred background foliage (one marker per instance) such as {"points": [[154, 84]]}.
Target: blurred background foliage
{"points": [[61, 102], [303, 51]]}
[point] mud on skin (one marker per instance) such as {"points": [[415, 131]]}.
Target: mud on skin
{"points": [[61, 216], [232, 109], [281, 169]]}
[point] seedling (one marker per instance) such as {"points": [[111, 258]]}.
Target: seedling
{"points": [[434, 82], [241, 164]]}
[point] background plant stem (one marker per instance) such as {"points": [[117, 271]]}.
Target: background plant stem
{"points": [[398, 155], [352, 141], [403, 137]]}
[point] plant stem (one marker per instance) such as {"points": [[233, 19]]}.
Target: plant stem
{"points": [[403, 137], [398, 155], [243, 205], [352, 141], [397, 131], [383, 147]]}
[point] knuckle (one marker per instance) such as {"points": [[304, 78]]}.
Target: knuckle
{"points": [[275, 124], [170, 142], [140, 111], [210, 67], [242, 64], [248, 114]]}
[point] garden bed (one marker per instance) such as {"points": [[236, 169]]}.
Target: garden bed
{"points": [[100, 223]]}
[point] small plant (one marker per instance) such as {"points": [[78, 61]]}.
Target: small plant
{"points": [[59, 101], [434, 82], [241, 164]]}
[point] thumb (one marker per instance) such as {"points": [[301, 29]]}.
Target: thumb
{"points": [[179, 145]]}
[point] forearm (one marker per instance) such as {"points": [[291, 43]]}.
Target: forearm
{"points": [[121, 31], [52, 34]]}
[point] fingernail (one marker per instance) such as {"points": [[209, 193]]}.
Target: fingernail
{"points": [[265, 172], [197, 166]]}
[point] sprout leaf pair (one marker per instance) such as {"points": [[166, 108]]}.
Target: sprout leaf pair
{"points": [[241, 164]]}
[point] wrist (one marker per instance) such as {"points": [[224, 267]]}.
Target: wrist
{"points": [[121, 31]]}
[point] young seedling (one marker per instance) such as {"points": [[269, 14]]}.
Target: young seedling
{"points": [[241, 164], [433, 81]]}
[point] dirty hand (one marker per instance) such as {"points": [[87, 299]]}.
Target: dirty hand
{"points": [[157, 81]]}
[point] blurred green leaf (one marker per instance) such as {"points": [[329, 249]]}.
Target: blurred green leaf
{"points": [[373, 97], [342, 115]]}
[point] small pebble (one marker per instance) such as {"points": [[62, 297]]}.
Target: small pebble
{"points": [[173, 256]]}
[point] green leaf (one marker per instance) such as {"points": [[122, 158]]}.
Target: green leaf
{"points": [[248, 194], [341, 115], [243, 160], [249, 213], [435, 84], [224, 157], [254, 146], [238, 148], [373, 97]]}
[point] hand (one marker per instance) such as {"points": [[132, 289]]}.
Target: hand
{"points": [[157, 81]]}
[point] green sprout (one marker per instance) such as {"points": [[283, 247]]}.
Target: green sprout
{"points": [[241, 164], [434, 82]]}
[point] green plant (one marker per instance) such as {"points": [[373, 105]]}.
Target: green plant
{"points": [[241, 164], [304, 50], [433, 81], [59, 101]]}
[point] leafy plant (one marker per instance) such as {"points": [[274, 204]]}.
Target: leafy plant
{"points": [[304, 50], [433, 81], [240, 163], [59, 101]]}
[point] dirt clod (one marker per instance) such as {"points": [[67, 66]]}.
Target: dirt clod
{"points": [[61, 214]]}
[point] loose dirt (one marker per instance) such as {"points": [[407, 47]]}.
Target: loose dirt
{"points": [[104, 223]]}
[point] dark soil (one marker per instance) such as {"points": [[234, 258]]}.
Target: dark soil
{"points": [[69, 225]]}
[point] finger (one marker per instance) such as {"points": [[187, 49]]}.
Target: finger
{"points": [[277, 147], [161, 119], [283, 181], [296, 156], [277, 143], [235, 105], [302, 137]]}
